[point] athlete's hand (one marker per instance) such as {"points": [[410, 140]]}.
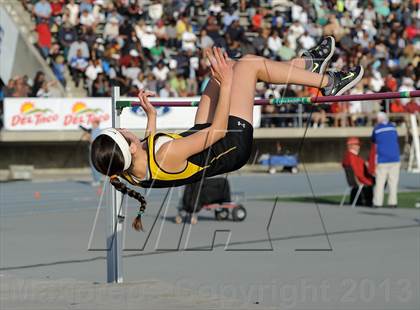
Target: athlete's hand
{"points": [[148, 108], [220, 65]]}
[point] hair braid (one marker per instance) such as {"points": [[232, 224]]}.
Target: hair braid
{"points": [[121, 187]]}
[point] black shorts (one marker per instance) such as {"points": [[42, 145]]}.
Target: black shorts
{"points": [[229, 153]]}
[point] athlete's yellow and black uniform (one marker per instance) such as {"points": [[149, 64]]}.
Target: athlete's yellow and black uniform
{"points": [[227, 154]]}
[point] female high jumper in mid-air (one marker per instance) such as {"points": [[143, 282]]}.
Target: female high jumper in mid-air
{"points": [[221, 139]]}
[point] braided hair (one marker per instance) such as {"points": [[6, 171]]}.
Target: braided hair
{"points": [[121, 187]]}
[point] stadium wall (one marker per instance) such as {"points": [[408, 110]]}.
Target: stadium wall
{"points": [[64, 149]]}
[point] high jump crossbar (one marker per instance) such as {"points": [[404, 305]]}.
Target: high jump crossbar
{"points": [[193, 101], [115, 214]]}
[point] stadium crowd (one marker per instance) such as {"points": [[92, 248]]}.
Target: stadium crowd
{"points": [[159, 45]]}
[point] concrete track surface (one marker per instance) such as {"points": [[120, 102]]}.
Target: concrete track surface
{"points": [[283, 256]]}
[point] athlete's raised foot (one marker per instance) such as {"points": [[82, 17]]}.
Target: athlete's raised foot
{"points": [[342, 81], [320, 55]]}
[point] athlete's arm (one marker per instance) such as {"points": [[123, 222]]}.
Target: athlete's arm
{"points": [[150, 111], [177, 151]]}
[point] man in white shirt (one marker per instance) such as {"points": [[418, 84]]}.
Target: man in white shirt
{"points": [[188, 40], [306, 41], [295, 31], [92, 71], [148, 39], [407, 85], [87, 20], [160, 72], [132, 71], [74, 12], [274, 43], [155, 10], [112, 29]]}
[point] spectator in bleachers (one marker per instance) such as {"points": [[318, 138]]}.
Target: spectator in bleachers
{"points": [[45, 91], [407, 85], [155, 10], [92, 71], [148, 38], [306, 41], [57, 8], [86, 5], [167, 91], [151, 83], [274, 43], [44, 37], [188, 39], [78, 45], [21, 87], [204, 41], [161, 73], [67, 35], [286, 52], [9, 89], [38, 81], [78, 65], [73, 12], [131, 71], [355, 108], [87, 21], [58, 69], [42, 11], [112, 29], [101, 87], [215, 7], [235, 32], [229, 17]]}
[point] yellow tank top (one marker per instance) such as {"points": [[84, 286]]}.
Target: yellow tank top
{"points": [[156, 175]]}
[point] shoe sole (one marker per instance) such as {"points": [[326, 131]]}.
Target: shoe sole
{"points": [[352, 83], [327, 59]]}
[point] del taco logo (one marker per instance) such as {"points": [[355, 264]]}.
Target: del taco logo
{"points": [[30, 114], [81, 113]]}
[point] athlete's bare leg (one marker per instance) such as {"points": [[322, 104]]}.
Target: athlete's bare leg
{"points": [[246, 73], [249, 69]]}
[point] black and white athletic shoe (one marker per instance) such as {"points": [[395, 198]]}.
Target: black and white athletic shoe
{"points": [[320, 55], [342, 81]]}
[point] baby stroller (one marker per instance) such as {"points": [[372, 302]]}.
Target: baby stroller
{"points": [[214, 196]]}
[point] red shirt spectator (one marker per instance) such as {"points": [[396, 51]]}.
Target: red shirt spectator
{"points": [[357, 163], [57, 7], [391, 83], [131, 58], [44, 35], [411, 32], [412, 107], [257, 20], [397, 107]]}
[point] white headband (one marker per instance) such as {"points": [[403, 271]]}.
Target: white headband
{"points": [[122, 144]]}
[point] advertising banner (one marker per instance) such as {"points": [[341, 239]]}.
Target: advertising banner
{"points": [[69, 113], [55, 113], [169, 117]]}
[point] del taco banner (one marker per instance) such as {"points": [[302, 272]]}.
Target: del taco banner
{"points": [[55, 113], [69, 113]]}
